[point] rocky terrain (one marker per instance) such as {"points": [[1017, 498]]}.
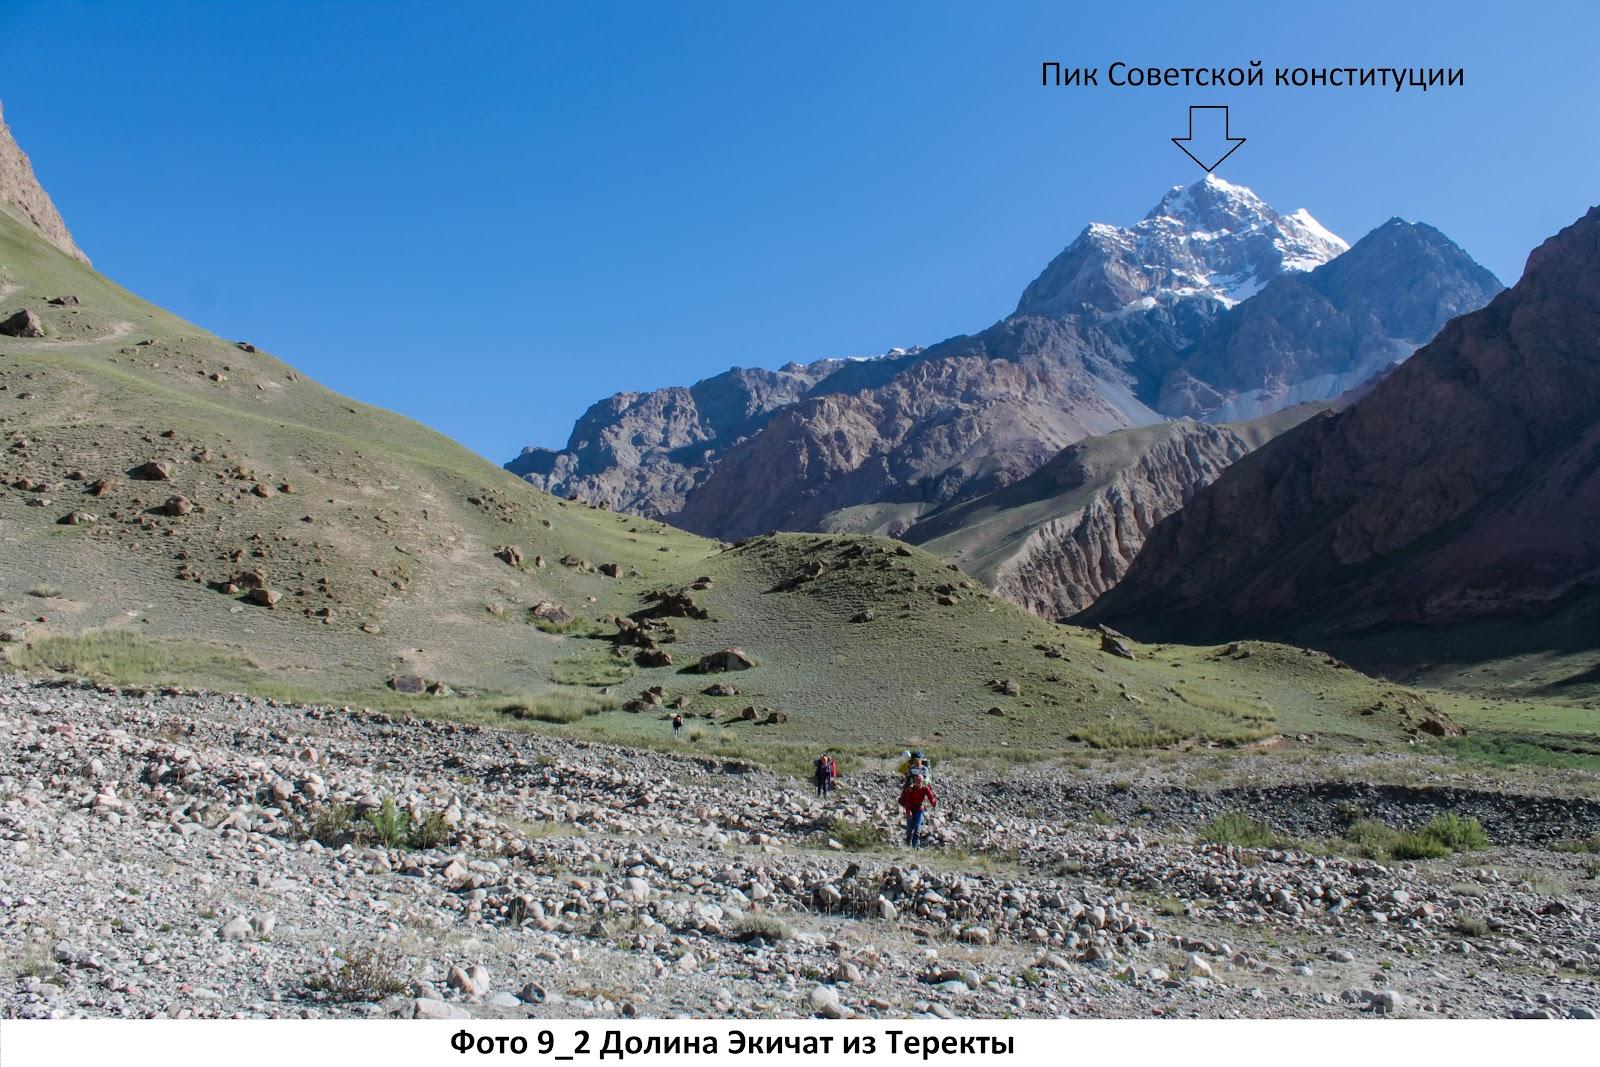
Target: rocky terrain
{"points": [[1057, 539], [21, 193], [1460, 489], [1214, 306], [184, 854]]}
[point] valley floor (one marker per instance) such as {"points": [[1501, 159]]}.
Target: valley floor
{"points": [[177, 854]]}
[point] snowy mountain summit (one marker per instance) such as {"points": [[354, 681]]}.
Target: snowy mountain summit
{"points": [[1211, 241]]}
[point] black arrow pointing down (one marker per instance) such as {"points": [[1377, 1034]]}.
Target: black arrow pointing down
{"points": [[1213, 142]]}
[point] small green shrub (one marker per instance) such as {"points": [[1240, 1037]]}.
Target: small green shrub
{"points": [[430, 831], [1471, 926], [762, 927], [857, 836], [1102, 817], [1237, 828], [1441, 837], [390, 824], [333, 824], [1589, 844], [1418, 846], [46, 592], [361, 975], [1457, 834]]}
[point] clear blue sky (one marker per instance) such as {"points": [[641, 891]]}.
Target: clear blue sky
{"points": [[489, 216]]}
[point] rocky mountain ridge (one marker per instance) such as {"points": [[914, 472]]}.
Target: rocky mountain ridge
{"points": [[21, 192]]}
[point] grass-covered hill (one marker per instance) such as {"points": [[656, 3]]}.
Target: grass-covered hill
{"points": [[181, 508]]}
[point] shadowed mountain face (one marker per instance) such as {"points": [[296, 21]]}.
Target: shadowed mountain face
{"points": [[1214, 306], [1464, 487]]}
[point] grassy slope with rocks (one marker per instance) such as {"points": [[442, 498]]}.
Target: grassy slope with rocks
{"points": [[385, 525], [381, 538]]}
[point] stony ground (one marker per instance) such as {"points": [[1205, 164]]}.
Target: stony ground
{"points": [[181, 854]]}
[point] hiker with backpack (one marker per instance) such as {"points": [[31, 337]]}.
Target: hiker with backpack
{"points": [[915, 763], [677, 724], [916, 799]]}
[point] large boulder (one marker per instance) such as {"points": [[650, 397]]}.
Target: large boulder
{"points": [[23, 324], [1114, 643], [729, 659]]}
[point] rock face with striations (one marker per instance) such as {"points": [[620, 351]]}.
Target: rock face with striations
{"points": [[22, 193], [1057, 539], [1463, 487]]}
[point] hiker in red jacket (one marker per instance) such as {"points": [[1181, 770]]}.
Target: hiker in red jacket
{"points": [[917, 800]]}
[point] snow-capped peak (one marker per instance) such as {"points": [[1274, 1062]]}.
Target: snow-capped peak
{"points": [[1212, 240]]}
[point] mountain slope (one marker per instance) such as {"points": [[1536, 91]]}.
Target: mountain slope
{"points": [[1057, 539], [1462, 489], [967, 416]]}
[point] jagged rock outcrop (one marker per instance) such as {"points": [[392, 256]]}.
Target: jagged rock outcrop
{"points": [[20, 190], [1056, 540], [644, 452], [1464, 486]]}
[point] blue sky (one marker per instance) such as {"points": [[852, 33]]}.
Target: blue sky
{"points": [[489, 216]]}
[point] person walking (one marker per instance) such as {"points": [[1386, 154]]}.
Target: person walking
{"points": [[821, 775], [916, 799], [677, 724]]}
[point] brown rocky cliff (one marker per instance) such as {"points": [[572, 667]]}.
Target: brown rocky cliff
{"points": [[20, 189], [1067, 562], [1057, 539]]}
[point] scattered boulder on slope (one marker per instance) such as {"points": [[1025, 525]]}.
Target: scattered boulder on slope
{"points": [[728, 659], [23, 324], [1114, 643]]}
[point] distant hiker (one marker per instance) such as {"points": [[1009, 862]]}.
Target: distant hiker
{"points": [[833, 770], [677, 723], [916, 799], [822, 772]]}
